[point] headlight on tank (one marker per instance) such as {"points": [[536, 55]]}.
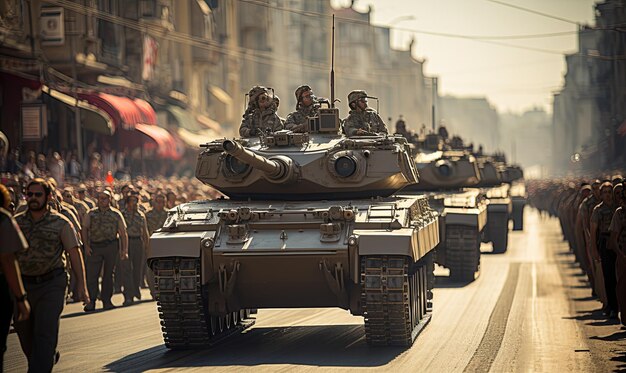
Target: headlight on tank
{"points": [[234, 166], [345, 166]]}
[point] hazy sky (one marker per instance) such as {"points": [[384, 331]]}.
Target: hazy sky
{"points": [[512, 79]]}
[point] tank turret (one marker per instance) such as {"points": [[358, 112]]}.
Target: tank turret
{"points": [[295, 166], [451, 169]]}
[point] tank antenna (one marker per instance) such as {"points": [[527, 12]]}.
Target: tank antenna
{"points": [[332, 68]]}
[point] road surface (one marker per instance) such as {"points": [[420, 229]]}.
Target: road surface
{"points": [[530, 310]]}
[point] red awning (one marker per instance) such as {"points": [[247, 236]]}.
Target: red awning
{"points": [[146, 110], [158, 139], [122, 110]]}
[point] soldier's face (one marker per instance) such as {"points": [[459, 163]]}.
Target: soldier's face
{"points": [[103, 200], [606, 194], [307, 98], [264, 101], [362, 103], [132, 202], [67, 197], [36, 197], [159, 203]]}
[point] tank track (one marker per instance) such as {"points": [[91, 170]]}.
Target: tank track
{"points": [[182, 306], [499, 231], [462, 252], [395, 297]]}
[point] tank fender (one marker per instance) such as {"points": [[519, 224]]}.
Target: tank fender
{"points": [[411, 242], [185, 244], [475, 217]]}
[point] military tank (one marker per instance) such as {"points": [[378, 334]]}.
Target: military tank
{"points": [[448, 178], [514, 176], [311, 220], [494, 184]]}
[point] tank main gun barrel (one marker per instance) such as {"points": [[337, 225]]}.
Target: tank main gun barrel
{"points": [[273, 168]]}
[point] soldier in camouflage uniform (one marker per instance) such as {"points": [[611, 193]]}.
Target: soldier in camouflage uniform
{"points": [[101, 230], [600, 223], [51, 238], [81, 194], [10, 280], [137, 230], [362, 121], [80, 206], [618, 244], [584, 213], [306, 107], [260, 116], [155, 217]]}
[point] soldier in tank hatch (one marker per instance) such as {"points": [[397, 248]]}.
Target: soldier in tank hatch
{"points": [[307, 106], [362, 120], [260, 116]]}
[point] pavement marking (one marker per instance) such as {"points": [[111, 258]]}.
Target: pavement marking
{"points": [[492, 339]]}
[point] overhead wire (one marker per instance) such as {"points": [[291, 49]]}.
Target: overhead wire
{"points": [[535, 12]]}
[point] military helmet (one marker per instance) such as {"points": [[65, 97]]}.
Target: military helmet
{"points": [[255, 92], [355, 95], [300, 90]]}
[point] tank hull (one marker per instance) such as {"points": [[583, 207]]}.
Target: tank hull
{"points": [[278, 254]]}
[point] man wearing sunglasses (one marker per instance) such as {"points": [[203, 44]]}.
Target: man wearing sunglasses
{"points": [[362, 120], [260, 116], [51, 238], [306, 106]]}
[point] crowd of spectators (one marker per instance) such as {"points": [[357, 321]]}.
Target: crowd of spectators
{"points": [[593, 220]]}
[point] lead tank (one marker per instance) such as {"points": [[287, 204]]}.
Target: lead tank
{"points": [[448, 177], [310, 221]]}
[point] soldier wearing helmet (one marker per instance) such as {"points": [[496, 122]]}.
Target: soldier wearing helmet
{"points": [[260, 114], [307, 106], [362, 120]]}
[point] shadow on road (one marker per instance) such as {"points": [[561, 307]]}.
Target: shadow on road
{"points": [[312, 346], [611, 337], [447, 282]]}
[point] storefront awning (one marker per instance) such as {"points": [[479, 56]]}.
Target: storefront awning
{"points": [[209, 123], [161, 141], [93, 119], [146, 110], [221, 95], [122, 110], [184, 119], [153, 139], [194, 140]]}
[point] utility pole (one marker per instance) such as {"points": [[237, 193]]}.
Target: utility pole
{"points": [[434, 100], [233, 64]]}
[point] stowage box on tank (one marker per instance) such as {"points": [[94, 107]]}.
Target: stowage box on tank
{"points": [[311, 221]]}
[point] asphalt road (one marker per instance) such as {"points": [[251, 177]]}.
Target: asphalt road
{"points": [[530, 310]]}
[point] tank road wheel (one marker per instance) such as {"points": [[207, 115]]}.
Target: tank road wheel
{"points": [[214, 325], [394, 299], [182, 304], [463, 252], [499, 233]]}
